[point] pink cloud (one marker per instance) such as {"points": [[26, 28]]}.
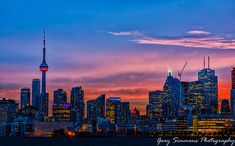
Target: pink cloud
{"points": [[196, 42]]}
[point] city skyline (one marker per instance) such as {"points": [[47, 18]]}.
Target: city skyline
{"points": [[136, 56]]}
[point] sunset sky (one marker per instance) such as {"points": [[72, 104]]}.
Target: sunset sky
{"points": [[120, 48]]}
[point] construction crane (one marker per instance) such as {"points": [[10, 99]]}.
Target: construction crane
{"points": [[181, 72], [180, 75]]}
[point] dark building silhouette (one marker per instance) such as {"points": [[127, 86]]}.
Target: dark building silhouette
{"points": [[91, 109], [8, 110], [225, 108], [135, 115], [185, 88], [96, 108], [24, 97], [29, 111], [122, 113], [171, 97], [60, 96], [232, 91], [36, 93], [77, 104]]}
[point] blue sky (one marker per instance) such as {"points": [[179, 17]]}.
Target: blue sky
{"points": [[93, 41]]}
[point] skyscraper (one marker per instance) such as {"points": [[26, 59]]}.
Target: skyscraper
{"points": [[116, 111], [77, 104], [122, 113], [225, 108], [36, 93], [111, 108], [196, 98], [24, 98], [232, 92], [171, 97], [154, 108], [96, 108], [210, 88], [60, 96], [100, 106], [44, 68], [91, 109], [61, 112]]}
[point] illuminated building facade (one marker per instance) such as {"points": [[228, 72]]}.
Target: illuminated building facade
{"points": [[111, 108], [210, 89], [24, 97], [77, 104], [154, 108], [61, 112], [196, 97], [8, 109], [211, 125], [36, 93]]}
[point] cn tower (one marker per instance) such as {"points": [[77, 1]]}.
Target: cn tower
{"points": [[44, 66], [44, 98]]}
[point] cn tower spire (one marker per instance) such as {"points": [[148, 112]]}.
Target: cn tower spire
{"points": [[44, 37], [44, 45], [44, 67]]}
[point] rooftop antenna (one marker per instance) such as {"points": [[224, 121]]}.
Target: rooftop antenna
{"points": [[44, 37]]}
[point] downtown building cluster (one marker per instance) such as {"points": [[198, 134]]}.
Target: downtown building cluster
{"points": [[180, 109]]}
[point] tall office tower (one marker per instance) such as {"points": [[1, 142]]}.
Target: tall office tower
{"points": [[8, 109], [96, 108], [171, 96], [185, 88], [60, 96], [61, 112], [154, 108], [110, 108], [100, 106], [36, 93], [232, 92], [210, 86], [77, 104], [122, 113], [196, 97], [225, 108], [91, 109], [24, 98], [44, 97]]}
